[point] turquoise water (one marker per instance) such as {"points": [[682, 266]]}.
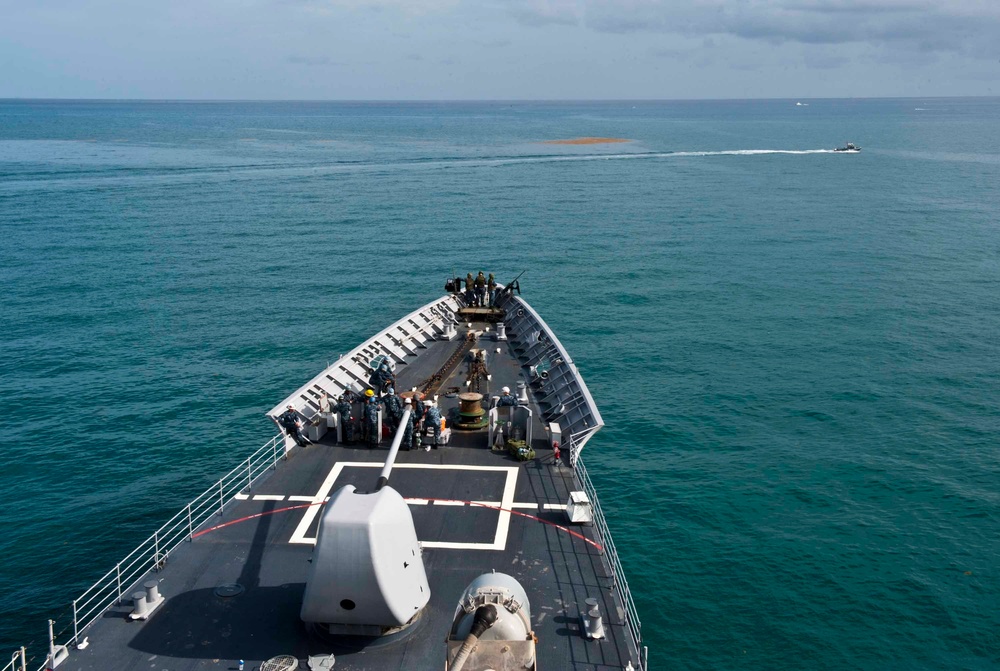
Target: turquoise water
{"points": [[797, 355]]}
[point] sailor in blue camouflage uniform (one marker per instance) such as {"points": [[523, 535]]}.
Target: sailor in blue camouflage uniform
{"points": [[433, 419], [289, 421], [383, 376], [393, 406], [418, 410], [506, 398], [343, 408], [371, 418], [409, 433]]}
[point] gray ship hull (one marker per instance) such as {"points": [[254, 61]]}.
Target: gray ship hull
{"points": [[475, 510]]}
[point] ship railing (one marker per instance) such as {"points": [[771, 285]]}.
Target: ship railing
{"points": [[632, 624], [18, 662], [115, 586], [575, 444], [561, 387]]}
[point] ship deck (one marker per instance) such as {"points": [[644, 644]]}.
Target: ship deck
{"points": [[475, 510]]}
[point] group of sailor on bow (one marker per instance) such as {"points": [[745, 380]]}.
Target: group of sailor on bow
{"points": [[423, 414], [480, 291], [380, 402]]}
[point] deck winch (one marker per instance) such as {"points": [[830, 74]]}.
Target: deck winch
{"points": [[471, 415]]}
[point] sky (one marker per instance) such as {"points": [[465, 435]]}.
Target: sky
{"points": [[497, 49]]}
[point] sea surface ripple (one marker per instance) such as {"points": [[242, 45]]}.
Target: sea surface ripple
{"points": [[796, 352]]}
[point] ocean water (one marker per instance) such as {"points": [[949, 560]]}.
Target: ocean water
{"points": [[796, 352]]}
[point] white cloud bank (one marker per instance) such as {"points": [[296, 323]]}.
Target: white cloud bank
{"points": [[970, 27]]}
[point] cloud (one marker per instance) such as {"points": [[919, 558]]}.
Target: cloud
{"points": [[409, 7], [968, 26], [547, 12], [309, 60], [824, 60]]}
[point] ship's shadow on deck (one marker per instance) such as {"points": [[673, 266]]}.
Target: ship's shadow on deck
{"points": [[198, 625]]}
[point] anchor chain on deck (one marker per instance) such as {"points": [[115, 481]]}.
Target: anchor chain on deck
{"points": [[431, 385]]}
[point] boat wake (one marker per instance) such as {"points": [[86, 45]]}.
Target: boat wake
{"points": [[102, 176], [751, 152], [552, 158]]}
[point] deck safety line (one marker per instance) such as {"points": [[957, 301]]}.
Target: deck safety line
{"points": [[530, 517], [255, 516], [230, 523]]}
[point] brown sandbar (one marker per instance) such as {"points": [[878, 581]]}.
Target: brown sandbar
{"points": [[589, 140]]}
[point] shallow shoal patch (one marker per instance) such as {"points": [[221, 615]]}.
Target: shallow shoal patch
{"points": [[589, 140]]}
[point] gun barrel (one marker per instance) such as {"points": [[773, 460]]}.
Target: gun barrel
{"points": [[511, 283], [383, 478]]}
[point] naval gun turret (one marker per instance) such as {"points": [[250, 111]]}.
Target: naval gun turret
{"points": [[367, 576], [492, 627]]}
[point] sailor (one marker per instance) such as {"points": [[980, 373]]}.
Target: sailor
{"points": [[394, 407], [325, 408], [371, 418], [344, 408], [408, 430], [289, 421], [491, 287], [418, 411], [480, 289], [384, 375], [433, 419], [469, 289], [506, 398]]}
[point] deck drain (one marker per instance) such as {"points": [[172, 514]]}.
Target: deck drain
{"points": [[230, 589], [280, 663]]}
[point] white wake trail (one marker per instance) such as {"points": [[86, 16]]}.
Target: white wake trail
{"points": [[235, 173], [646, 155], [751, 152]]}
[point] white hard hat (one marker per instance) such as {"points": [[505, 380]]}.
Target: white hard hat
{"points": [[408, 401], [506, 390]]}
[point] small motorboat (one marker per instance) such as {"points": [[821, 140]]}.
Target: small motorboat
{"points": [[850, 146]]}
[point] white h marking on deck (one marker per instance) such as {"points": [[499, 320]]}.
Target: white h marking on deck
{"points": [[503, 521]]}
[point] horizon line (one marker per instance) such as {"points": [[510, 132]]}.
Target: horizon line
{"points": [[475, 100]]}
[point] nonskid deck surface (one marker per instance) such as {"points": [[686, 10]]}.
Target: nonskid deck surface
{"points": [[195, 626], [268, 556]]}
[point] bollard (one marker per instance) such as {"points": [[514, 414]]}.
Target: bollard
{"points": [[592, 621], [141, 609], [146, 601], [152, 591]]}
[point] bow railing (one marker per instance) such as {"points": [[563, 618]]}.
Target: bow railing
{"points": [[115, 586], [632, 624]]}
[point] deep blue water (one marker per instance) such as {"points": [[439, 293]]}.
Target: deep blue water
{"points": [[797, 355]]}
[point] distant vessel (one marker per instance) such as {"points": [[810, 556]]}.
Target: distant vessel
{"points": [[850, 147], [491, 552], [802, 104]]}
